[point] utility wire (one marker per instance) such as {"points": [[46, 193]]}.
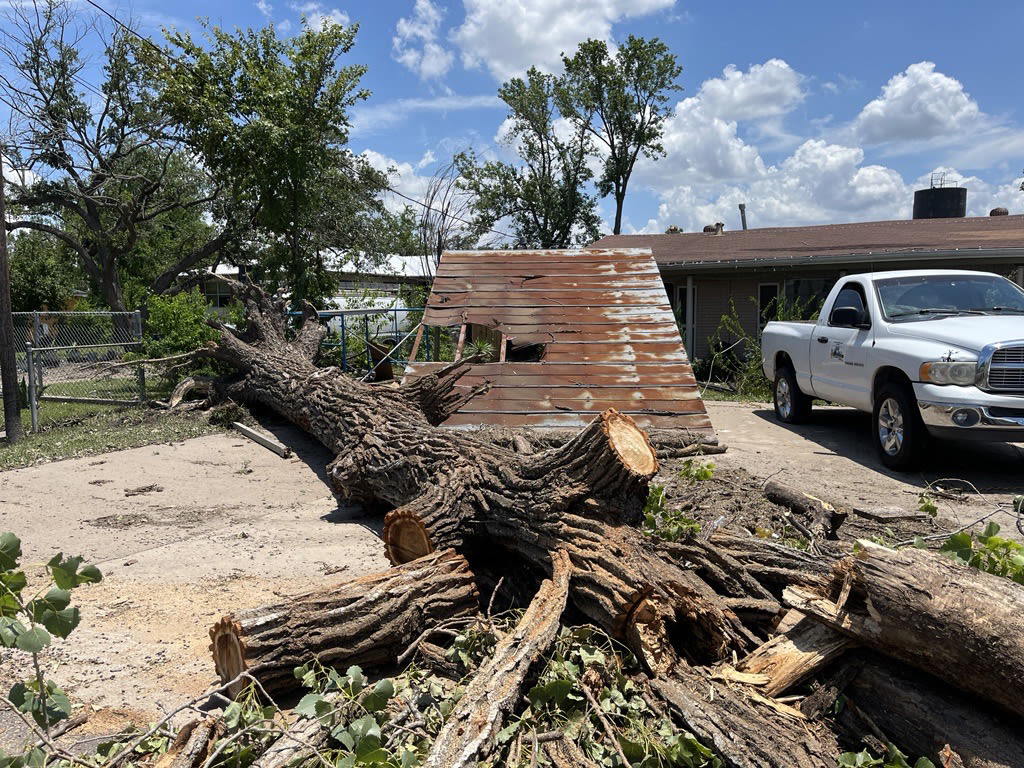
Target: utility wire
{"points": [[175, 60]]}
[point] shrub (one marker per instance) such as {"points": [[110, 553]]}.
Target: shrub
{"points": [[177, 324]]}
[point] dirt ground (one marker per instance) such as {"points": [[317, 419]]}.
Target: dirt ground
{"points": [[229, 525], [233, 526]]}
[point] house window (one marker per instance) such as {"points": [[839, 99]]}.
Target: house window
{"points": [[217, 293], [810, 292], [767, 303]]}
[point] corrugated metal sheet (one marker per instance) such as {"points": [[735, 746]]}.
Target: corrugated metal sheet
{"points": [[603, 314]]}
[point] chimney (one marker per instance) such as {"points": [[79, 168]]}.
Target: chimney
{"points": [[719, 228], [743, 215]]}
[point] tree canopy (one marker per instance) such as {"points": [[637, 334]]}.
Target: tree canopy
{"points": [[619, 98], [268, 118], [101, 169], [544, 197]]}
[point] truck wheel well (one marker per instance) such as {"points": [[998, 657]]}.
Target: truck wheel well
{"points": [[888, 375], [782, 360]]}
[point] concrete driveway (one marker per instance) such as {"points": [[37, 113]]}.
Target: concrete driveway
{"points": [[832, 456]]}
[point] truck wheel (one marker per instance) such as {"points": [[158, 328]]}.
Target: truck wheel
{"points": [[899, 434], [791, 405]]}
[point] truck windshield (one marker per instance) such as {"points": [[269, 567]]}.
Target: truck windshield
{"points": [[934, 296]]}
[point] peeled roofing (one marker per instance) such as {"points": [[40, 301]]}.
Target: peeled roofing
{"points": [[861, 239], [612, 340]]}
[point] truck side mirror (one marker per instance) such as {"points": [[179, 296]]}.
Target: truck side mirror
{"points": [[849, 317]]}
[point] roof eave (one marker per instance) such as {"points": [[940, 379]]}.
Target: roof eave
{"points": [[998, 254]]}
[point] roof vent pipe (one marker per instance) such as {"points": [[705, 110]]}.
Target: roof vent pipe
{"points": [[719, 228], [743, 215]]}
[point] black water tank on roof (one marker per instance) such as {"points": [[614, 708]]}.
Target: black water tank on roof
{"points": [[940, 203]]}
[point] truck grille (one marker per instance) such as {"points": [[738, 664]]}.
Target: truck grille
{"points": [[1006, 371]]}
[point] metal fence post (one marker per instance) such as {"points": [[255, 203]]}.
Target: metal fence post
{"points": [[366, 339], [33, 407], [344, 349], [142, 368], [37, 330]]}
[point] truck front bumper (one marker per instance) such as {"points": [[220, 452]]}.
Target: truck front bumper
{"points": [[968, 413]]}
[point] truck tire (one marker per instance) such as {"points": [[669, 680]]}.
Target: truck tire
{"points": [[791, 405], [898, 432]]}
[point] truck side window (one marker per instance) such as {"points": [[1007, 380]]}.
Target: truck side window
{"points": [[852, 295]]}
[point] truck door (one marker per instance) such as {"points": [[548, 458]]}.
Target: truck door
{"points": [[839, 350]]}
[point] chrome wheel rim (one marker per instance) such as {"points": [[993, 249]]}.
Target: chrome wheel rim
{"points": [[784, 398], [890, 426]]}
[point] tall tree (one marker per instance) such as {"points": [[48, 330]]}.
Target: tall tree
{"points": [[8, 361], [545, 196], [103, 166], [268, 117], [620, 99]]}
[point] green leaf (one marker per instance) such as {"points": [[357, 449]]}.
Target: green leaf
{"points": [[10, 551], [554, 692], [355, 679], [33, 640], [377, 699], [309, 705], [10, 629], [66, 572]]}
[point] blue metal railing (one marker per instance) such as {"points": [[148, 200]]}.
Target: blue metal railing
{"points": [[365, 332]]}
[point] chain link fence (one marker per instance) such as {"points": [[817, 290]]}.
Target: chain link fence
{"points": [[74, 357]]}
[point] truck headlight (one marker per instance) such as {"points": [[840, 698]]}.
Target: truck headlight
{"points": [[962, 373]]}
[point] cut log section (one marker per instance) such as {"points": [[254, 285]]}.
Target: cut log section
{"points": [[471, 730], [955, 622], [369, 621]]}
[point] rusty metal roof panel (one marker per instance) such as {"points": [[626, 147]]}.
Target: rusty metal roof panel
{"points": [[610, 338]]}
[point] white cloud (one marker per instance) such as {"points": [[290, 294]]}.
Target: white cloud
{"points": [[765, 90], [918, 104], [511, 36], [317, 14], [264, 7], [416, 46], [427, 159], [372, 118], [701, 137]]}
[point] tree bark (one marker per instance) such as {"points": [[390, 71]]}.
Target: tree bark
{"points": [[744, 731], [822, 518], [8, 358], [369, 621], [471, 731], [922, 716], [960, 624]]}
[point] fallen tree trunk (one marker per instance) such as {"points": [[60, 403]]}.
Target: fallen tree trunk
{"points": [[921, 716], [960, 624], [369, 621], [471, 730]]}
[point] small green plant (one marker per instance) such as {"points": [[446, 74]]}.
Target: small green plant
{"points": [[926, 504], [988, 551], [665, 523], [482, 349], [28, 623], [696, 470], [893, 759]]}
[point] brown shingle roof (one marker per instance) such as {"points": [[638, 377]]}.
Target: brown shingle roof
{"points": [[831, 240]]}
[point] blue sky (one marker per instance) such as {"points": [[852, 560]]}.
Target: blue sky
{"points": [[809, 112]]}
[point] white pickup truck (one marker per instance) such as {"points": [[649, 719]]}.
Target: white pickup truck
{"points": [[926, 352]]}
